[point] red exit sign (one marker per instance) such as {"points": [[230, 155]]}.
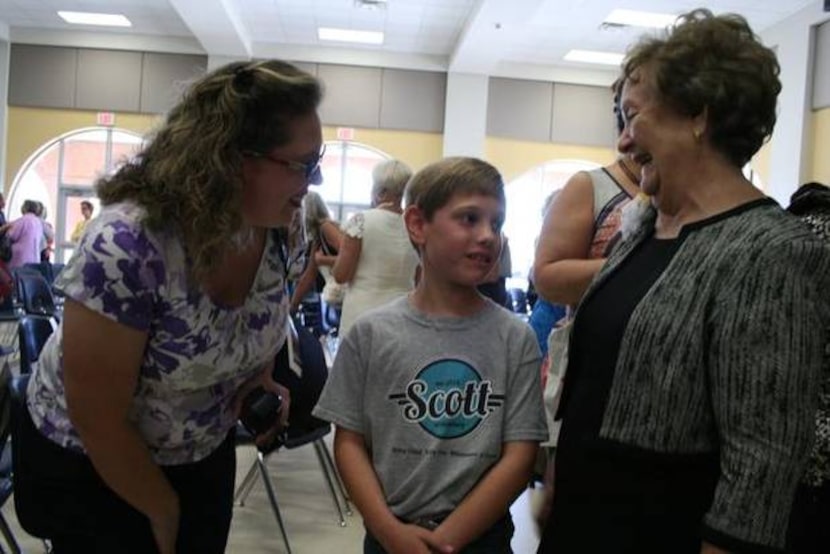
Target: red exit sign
{"points": [[105, 119], [345, 133]]}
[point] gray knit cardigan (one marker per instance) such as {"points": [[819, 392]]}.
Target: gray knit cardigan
{"points": [[724, 354]]}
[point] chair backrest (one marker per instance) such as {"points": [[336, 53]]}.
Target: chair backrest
{"points": [[331, 316], [311, 313], [305, 389], [33, 331], [7, 309], [44, 268], [518, 300], [5, 404], [35, 294], [56, 270]]}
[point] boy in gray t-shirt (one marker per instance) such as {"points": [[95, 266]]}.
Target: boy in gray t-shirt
{"points": [[436, 396]]}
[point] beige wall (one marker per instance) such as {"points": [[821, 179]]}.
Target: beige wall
{"points": [[820, 167], [31, 128], [416, 149], [514, 157]]}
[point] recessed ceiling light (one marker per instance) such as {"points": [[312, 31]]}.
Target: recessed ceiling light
{"points": [[592, 56], [350, 35], [641, 19], [370, 4], [90, 18]]}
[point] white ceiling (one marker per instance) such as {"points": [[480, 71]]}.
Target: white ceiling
{"points": [[495, 37]]}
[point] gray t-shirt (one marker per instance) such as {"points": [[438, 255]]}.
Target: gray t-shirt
{"points": [[435, 398]]}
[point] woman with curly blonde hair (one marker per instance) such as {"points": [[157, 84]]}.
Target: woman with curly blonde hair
{"points": [[175, 309]]}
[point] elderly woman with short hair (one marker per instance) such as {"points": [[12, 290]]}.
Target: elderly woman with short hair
{"points": [[376, 258]]}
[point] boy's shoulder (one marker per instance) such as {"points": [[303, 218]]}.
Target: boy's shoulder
{"points": [[399, 313], [384, 317]]}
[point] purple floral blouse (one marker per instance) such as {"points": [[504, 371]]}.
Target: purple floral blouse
{"points": [[197, 354]]}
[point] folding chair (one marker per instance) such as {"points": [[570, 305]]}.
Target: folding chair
{"points": [[36, 294], [33, 331], [8, 310], [304, 428], [44, 268], [291, 441], [259, 465], [6, 484]]}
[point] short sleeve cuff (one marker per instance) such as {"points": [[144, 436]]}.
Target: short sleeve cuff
{"points": [[354, 227], [337, 419]]}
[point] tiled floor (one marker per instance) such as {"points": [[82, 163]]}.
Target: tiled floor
{"points": [[307, 509]]}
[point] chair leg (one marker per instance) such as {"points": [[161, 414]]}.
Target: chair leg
{"points": [[329, 481], [7, 534], [263, 469], [338, 480], [245, 487]]}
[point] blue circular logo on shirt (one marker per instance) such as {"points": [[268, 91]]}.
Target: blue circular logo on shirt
{"points": [[448, 399]]}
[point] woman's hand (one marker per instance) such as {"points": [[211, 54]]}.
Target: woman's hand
{"points": [[323, 259], [265, 380], [272, 386], [268, 437]]}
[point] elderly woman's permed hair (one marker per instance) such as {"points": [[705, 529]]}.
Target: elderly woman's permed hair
{"points": [[714, 63]]}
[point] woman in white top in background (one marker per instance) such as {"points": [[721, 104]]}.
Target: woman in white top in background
{"points": [[376, 258]]}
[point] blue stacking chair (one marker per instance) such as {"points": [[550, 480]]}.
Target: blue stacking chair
{"points": [[33, 331], [6, 483], [303, 429], [36, 294]]}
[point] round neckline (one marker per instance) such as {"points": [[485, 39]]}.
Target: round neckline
{"points": [[731, 212], [254, 284]]}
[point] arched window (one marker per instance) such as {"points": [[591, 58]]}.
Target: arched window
{"points": [[526, 196], [347, 177], [62, 173]]}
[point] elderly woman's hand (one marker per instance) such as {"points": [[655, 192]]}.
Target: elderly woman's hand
{"points": [[321, 258]]}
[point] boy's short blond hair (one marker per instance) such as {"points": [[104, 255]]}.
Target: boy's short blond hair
{"points": [[432, 187]]}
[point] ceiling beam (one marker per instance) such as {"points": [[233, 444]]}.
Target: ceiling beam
{"points": [[216, 26], [489, 33]]}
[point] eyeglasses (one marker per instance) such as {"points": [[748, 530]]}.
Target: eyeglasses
{"points": [[308, 169]]}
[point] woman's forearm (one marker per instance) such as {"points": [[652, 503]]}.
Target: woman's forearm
{"points": [[565, 281], [345, 264], [325, 259], [123, 460], [304, 284]]}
